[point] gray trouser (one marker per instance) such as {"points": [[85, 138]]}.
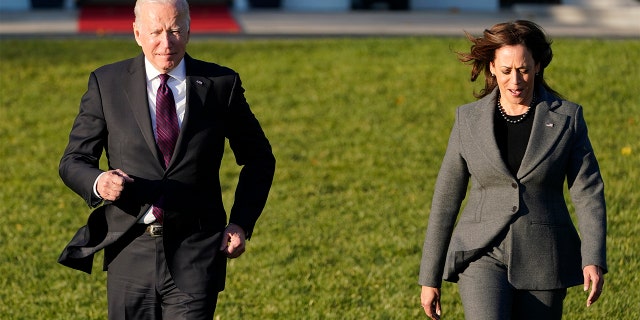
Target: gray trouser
{"points": [[487, 294]]}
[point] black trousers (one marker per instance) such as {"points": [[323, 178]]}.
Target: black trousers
{"points": [[140, 287]]}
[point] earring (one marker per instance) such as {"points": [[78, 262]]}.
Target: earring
{"points": [[493, 75]]}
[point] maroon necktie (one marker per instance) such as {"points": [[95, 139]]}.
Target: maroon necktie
{"points": [[167, 130]]}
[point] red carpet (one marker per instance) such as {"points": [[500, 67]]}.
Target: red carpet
{"points": [[119, 19]]}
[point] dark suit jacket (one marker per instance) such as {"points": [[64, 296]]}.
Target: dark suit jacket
{"points": [[545, 250], [114, 116]]}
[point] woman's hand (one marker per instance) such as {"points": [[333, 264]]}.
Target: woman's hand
{"points": [[594, 277], [430, 300]]}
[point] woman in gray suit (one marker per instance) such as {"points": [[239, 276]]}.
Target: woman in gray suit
{"points": [[514, 250]]}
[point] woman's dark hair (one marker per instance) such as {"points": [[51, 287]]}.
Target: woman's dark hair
{"points": [[506, 34]]}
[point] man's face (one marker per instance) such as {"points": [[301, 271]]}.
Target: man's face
{"points": [[162, 34]]}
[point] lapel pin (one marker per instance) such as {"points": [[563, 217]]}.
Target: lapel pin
{"points": [[199, 82], [549, 125]]}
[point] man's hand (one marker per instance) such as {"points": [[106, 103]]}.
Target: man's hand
{"points": [[111, 183], [430, 300], [593, 276], [233, 241]]}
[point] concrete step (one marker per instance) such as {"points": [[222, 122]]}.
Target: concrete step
{"points": [[627, 16]]}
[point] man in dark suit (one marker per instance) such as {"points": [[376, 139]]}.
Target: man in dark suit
{"points": [[162, 119]]}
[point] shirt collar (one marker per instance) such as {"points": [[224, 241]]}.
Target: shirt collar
{"points": [[179, 72]]}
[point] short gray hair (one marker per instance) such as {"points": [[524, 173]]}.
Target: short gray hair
{"points": [[181, 5]]}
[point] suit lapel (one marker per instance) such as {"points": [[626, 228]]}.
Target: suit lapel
{"points": [[481, 123], [136, 91], [546, 130], [197, 88]]}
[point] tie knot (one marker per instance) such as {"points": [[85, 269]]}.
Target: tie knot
{"points": [[163, 78]]}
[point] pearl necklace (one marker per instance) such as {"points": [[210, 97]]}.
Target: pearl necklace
{"points": [[524, 115]]}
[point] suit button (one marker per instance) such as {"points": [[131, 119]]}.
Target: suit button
{"points": [[514, 209], [514, 185]]}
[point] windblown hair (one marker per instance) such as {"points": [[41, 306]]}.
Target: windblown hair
{"points": [[181, 5], [516, 32]]}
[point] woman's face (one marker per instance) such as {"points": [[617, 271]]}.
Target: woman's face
{"points": [[514, 69]]}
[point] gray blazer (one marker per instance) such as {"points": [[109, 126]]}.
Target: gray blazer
{"points": [[546, 251]]}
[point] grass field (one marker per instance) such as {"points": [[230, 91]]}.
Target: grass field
{"points": [[359, 127]]}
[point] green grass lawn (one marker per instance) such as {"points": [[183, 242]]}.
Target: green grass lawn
{"points": [[359, 127]]}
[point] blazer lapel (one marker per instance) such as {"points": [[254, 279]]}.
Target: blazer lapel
{"points": [[481, 123], [546, 130], [136, 91], [197, 88]]}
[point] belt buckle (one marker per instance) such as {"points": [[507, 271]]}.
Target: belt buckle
{"points": [[154, 230]]}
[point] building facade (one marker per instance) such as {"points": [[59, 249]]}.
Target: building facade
{"points": [[333, 5]]}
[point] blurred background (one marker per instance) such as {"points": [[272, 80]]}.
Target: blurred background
{"points": [[582, 18]]}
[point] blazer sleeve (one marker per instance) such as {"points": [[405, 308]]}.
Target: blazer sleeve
{"points": [[253, 152], [586, 188], [79, 166], [450, 190]]}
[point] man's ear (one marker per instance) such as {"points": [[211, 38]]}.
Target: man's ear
{"points": [[136, 33]]}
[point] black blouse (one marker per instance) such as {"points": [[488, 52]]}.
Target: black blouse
{"points": [[512, 138]]}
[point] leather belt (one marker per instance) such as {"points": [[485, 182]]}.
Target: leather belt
{"points": [[154, 230]]}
